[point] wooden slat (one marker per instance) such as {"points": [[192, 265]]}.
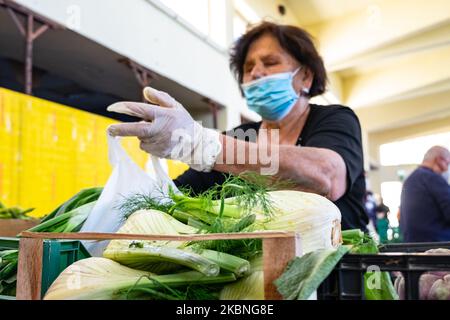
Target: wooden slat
{"points": [[12, 227], [277, 252], [29, 269], [122, 236]]}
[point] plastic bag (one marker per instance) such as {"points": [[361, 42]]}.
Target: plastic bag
{"points": [[126, 179]]}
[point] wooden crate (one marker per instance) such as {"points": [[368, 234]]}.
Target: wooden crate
{"points": [[12, 227], [57, 255], [278, 249]]}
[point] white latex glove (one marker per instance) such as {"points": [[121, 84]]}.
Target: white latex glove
{"points": [[168, 131]]}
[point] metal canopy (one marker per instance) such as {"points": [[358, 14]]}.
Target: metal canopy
{"points": [[69, 55]]}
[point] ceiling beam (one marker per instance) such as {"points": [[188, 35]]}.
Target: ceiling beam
{"points": [[437, 37], [396, 79], [385, 22], [425, 128], [406, 112]]}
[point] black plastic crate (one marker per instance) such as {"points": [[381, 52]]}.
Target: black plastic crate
{"points": [[346, 282], [414, 247]]}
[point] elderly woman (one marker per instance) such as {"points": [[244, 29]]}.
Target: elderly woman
{"points": [[316, 147]]}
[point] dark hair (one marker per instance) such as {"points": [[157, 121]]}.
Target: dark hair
{"points": [[297, 42]]}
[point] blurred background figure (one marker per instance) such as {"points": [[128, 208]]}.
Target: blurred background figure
{"points": [[382, 226], [370, 205], [425, 199], [382, 221]]}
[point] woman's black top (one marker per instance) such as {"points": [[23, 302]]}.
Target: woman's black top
{"points": [[331, 127]]}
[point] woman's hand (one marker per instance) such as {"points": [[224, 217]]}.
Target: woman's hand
{"points": [[168, 130]]}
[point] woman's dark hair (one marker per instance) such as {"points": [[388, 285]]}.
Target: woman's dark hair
{"points": [[297, 42]]}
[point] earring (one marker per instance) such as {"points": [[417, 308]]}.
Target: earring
{"points": [[305, 91]]}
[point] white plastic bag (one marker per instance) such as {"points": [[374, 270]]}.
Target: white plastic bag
{"points": [[126, 179]]}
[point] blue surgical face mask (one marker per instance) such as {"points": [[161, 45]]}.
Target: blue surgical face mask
{"points": [[272, 97]]}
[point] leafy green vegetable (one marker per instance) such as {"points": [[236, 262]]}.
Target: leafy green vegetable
{"points": [[250, 287], [15, 213], [304, 274], [68, 217], [83, 197], [223, 208], [386, 291], [239, 205], [164, 292], [105, 279], [8, 269], [353, 236], [235, 198], [71, 221], [364, 244], [138, 202], [245, 248]]}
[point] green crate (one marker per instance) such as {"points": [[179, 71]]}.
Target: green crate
{"points": [[57, 256]]}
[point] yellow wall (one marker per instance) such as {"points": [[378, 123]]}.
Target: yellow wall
{"points": [[9, 146], [48, 151]]}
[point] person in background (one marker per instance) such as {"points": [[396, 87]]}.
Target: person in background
{"points": [[425, 199], [382, 222], [381, 207], [371, 205], [382, 225]]}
